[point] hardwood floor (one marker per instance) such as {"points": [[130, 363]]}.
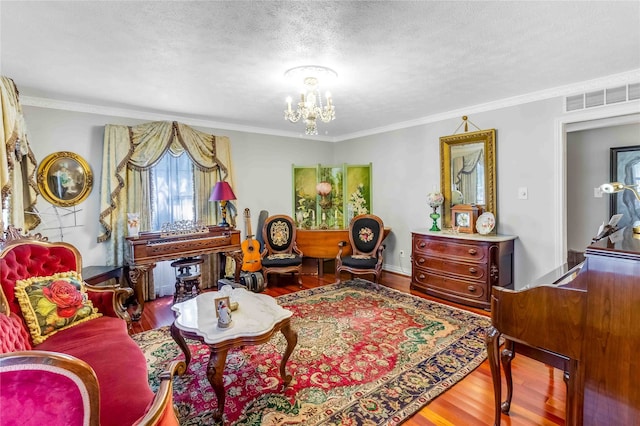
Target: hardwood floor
{"points": [[538, 390]]}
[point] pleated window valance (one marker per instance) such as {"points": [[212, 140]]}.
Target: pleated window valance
{"points": [[128, 154]]}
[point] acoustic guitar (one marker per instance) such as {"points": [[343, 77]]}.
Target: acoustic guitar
{"points": [[250, 247]]}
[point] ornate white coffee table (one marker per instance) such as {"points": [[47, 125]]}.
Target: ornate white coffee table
{"points": [[257, 318]]}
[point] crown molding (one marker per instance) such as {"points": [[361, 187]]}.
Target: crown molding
{"points": [[554, 92], [146, 115], [628, 77]]}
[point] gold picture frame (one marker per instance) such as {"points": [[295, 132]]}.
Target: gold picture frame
{"points": [[471, 150], [64, 179], [217, 300]]}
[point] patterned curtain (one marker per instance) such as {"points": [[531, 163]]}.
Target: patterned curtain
{"points": [[17, 163], [128, 155]]}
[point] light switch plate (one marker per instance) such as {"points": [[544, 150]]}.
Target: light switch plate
{"points": [[597, 192], [523, 193]]}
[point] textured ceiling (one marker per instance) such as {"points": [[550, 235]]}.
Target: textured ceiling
{"points": [[223, 62]]}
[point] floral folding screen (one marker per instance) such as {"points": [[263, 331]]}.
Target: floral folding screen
{"points": [[328, 197]]}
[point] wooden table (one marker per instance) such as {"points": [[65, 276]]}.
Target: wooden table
{"points": [[323, 243], [95, 275], [257, 318]]}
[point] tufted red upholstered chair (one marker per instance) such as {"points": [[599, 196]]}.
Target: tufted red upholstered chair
{"points": [[54, 388], [366, 233], [281, 254], [23, 257], [73, 362]]}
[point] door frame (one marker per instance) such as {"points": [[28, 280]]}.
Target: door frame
{"points": [[599, 117]]}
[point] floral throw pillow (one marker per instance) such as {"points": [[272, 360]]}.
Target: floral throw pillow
{"points": [[53, 303]]}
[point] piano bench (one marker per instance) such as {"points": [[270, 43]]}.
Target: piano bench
{"points": [[187, 282]]}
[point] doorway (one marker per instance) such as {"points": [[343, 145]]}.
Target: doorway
{"points": [[587, 166]]}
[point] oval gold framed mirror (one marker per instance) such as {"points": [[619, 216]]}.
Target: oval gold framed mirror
{"points": [[64, 179], [468, 171]]}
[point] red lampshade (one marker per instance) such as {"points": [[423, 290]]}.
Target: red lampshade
{"points": [[222, 192]]}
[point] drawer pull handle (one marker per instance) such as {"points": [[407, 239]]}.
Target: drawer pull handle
{"points": [[422, 244], [421, 276], [421, 260], [471, 289], [473, 270], [473, 251]]}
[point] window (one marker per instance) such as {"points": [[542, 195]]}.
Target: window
{"points": [[172, 200], [172, 194]]}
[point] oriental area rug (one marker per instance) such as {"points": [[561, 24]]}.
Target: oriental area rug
{"points": [[366, 355]]}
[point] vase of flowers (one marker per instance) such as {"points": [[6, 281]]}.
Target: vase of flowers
{"points": [[324, 189], [435, 200]]}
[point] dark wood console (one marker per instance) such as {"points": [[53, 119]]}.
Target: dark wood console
{"points": [[461, 268]]}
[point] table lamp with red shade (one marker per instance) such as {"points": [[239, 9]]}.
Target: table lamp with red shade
{"points": [[222, 192]]}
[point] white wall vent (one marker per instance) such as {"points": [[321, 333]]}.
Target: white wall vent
{"points": [[597, 98], [634, 91], [594, 99], [617, 94], [574, 103]]}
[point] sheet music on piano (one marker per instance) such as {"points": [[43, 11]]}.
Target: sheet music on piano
{"points": [[610, 230]]}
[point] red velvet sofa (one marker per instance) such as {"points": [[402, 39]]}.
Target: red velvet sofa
{"points": [[108, 370]]}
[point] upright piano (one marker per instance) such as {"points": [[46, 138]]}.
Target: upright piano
{"points": [[148, 248], [588, 325]]}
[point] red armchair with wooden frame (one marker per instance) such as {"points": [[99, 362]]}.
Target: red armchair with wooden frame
{"points": [[89, 372], [366, 233]]}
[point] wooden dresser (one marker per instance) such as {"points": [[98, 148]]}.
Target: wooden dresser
{"points": [[461, 268]]}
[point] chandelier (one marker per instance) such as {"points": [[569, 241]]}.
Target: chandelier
{"points": [[310, 107]]}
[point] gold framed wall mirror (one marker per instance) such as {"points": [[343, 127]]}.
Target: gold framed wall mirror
{"points": [[468, 171], [64, 179]]}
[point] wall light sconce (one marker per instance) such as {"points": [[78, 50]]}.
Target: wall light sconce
{"points": [[613, 187]]}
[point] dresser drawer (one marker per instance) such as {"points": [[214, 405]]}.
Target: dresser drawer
{"points": [[461, 268], [468, 252], [445, 286], [475, 271]]}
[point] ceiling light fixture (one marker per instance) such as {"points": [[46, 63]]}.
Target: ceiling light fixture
{"points": [[310, 107]]}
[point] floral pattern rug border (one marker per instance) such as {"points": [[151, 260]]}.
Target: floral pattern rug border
{"points": [[367, 373]]}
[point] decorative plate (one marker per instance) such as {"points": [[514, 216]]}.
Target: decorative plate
{"points": [[485, 223]]}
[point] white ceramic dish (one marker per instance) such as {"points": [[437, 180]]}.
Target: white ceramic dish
{"points": [[485, 223]]}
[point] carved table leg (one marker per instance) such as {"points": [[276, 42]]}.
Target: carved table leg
{"points": [[292, 339], [493, 355], [179, 339], [215, 369], [507, 355], [136, 277], [239, 258]]}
